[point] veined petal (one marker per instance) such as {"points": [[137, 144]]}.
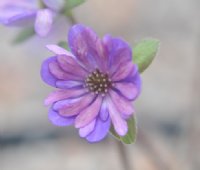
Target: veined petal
{"points": [[45, 73], [76, 107], [69, 84], [89, 113], [121, 51], [123, 71], [123, 106], [82, 42], [104, 114], [63, 94], [84, 131], [108, 44], [44, 20], [136, 80], [100, 131], [59, 73], [19, 20], [128, 90], [30, 4], [102, 57], [120, 125], [58, 120], [134, 71], [17, 14], [57, 49], [118, 51], [70, 65], [65, 103]]}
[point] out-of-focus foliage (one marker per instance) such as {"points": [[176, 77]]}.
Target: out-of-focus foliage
{"points": [[64, 45], [24, 35], [70, 4]]}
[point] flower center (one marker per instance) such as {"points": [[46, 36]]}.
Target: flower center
{"points": [[98, 82]]}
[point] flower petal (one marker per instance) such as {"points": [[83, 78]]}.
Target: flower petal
{"points": [[65, 103], [128, 90], [59, 73], [134, 78], [70, 65], [104, 114], [123, 106], [84, 131], [102, 57], [63, 94], [57, 50], [69, 84], [19, 20], [58, 120], [45, 73], [82, 42], [123, 71], [120, 125], [17, 14], [121, 53], [118, 51], [138, 82], [89, 113], [77, 107], [44, 20], [100, 131]]}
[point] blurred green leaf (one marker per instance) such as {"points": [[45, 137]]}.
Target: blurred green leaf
{"points": [[24, 35], [144, 53], [64, 45], [130, 137], [70, 4]]}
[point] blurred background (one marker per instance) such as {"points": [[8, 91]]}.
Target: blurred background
{"points": [[167, 110]]}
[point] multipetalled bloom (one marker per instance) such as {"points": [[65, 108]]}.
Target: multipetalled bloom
{"points": [[96, 84], [26, 12]]}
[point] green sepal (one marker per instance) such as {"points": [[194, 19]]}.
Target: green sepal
{"points": [[64, 45], [144, 53], [70, 4], [130, 137]]}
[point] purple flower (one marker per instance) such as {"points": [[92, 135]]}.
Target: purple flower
{"points": [[26, 12], [96, 84]]}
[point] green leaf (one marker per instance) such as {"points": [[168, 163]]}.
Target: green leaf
{"points": [[144, 53], [131, 135], [24, 35], [64, 45], [70, 4]]}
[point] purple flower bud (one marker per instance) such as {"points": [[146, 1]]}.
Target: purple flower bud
{"points": [[39, 13]]}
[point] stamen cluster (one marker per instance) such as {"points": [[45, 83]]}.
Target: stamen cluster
{"points": [[98, 82]]}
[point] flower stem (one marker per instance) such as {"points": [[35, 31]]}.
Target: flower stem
{"points": [[123, 156], [72, 18]]}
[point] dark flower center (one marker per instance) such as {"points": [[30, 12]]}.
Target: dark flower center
{"points": [[98, 82]]}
